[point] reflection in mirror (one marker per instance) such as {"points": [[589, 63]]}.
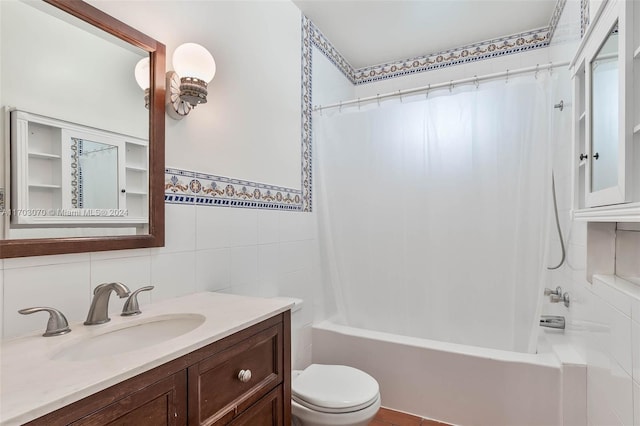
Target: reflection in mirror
{"points": [[94, 175], [604, 115], [67, 80]]}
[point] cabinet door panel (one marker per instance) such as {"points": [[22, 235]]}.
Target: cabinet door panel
{"points": [[215, 391], [266, 412], [158, 404]]}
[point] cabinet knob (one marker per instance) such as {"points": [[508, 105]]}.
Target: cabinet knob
{"points": [[583, 157], [244, 376], [596, 155]]}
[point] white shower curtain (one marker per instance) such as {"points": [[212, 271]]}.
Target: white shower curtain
{"points": [[433, 212]]}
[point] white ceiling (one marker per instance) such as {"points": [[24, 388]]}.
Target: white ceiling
{"points": [[372, 32]]}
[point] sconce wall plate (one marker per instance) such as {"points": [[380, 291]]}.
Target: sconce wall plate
{"points": [[176, 107]]}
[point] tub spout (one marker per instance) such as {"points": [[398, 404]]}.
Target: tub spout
{"points": [[552, 321]]}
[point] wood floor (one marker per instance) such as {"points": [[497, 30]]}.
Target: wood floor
{"points": [[387, 417]]}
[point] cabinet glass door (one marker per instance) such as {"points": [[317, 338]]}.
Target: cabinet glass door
{"points": [[604, 110]]}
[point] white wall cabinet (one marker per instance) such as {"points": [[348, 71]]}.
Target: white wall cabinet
{"points": [[606, 158], [71, 175]]}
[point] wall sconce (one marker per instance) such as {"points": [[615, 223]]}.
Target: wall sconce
{"points": [[187, 86], [142, 73]]}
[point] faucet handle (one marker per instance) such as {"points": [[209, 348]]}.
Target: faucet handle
{"points": [[556, 292], [131, 306], [57, 324]]}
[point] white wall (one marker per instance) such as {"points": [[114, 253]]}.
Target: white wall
{"points": [[329, 85], [249, 129], [250, 126]]}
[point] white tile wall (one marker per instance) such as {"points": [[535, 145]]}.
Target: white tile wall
{"points": [[213, 269], [253, 252], [135, 272], [628, 253], [65, 286], [612, 352], [636, 404]]}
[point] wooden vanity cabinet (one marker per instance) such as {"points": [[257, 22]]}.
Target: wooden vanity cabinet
{"points": [[202, 387]]}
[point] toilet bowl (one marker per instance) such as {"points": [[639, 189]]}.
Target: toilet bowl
{"points": [[333, 395]]}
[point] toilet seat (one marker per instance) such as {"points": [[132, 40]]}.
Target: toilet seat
{"points": [[334, 389]]}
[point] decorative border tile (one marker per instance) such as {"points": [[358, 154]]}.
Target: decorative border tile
{"points": [[188, 187], [324, 45], [555, 18], [306, 116], [474, 52], [584, 16], [507, 45]]}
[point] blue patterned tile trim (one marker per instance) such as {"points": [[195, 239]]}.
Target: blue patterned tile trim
{"points": [[555, 17], [306, 117], [188, 187], [584, 16], [323, 44], [478, 51]]}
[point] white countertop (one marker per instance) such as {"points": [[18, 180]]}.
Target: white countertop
{"points": [[33, 384]]}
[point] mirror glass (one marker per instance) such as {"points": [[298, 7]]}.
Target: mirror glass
{"points": [[94, 175], [604, 114], [58, 67]]}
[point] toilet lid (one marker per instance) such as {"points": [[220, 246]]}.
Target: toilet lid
{"points": [[334, 388]]}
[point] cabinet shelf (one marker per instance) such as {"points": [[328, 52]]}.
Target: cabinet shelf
{"points": [[44, 186], [44, 155], [136, 168]]}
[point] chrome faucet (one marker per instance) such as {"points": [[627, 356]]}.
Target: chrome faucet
{"points": [[99, 310], [552, 321]]}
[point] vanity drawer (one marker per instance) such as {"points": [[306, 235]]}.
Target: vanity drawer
{"points": [[266, 412], [216, 393]]}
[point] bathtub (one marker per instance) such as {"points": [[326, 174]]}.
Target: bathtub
{"points": [[463, 385]]}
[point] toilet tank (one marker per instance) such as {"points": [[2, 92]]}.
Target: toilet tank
{"points": [[297, 304]]}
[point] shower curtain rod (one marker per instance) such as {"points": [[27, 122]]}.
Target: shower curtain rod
{"points": [[450, 84]]}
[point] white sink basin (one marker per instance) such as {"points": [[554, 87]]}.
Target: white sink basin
{"points": [[140, 335]]}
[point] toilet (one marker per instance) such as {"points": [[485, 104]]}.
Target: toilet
{"points": [[333, 395]]}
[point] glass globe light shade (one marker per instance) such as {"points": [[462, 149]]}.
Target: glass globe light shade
{"points": [[142, 73], [193, 60]]}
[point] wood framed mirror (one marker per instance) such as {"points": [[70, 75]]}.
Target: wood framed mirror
{"points": [[20, 240]]}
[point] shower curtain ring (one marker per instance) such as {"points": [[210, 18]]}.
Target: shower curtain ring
{"points": [[450, 85], [426, 95], [340, 107], [476, 82], [536, 74], [550, 68], [400, 94], [358, 103], [378, 98], [507, 78]]}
